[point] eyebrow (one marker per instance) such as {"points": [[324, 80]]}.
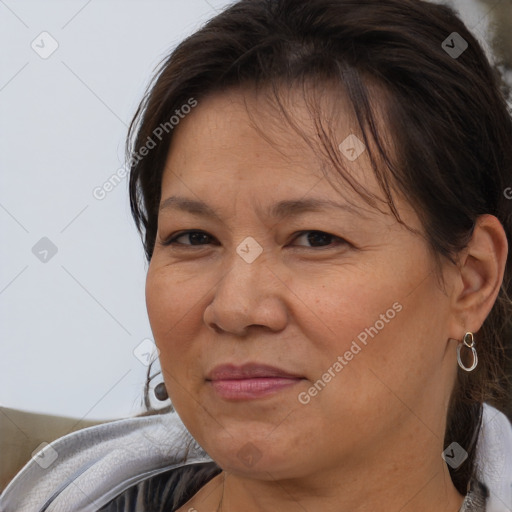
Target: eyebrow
{"points": [[282, 209]]}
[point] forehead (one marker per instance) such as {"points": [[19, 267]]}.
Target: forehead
{"points": [[242, 135], [238, 155]]}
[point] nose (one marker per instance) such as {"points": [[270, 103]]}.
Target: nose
{"points": [[248, 294]]}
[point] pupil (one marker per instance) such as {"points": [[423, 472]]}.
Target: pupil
{"points": [[193, 236], [317, 234]]}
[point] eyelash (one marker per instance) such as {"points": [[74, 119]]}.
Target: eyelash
{"points": [[171, 241]]}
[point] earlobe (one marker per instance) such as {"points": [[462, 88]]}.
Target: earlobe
{"points": [[482, 265]]}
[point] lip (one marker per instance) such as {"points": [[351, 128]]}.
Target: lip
{"points": [[250, 381], [249, 371]]}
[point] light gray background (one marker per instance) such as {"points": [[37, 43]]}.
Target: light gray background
{"points": [[70, 324]]}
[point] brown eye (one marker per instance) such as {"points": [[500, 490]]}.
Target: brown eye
{"points": [[320, 238], [194, 237]]}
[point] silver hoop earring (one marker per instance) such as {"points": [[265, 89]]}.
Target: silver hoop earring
{"points": [[468, 341]]}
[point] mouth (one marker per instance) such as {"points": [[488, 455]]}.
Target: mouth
{"points": [[250, 381]]}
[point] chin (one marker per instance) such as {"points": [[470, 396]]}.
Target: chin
{"points": [[256, 456], [260, 466]]}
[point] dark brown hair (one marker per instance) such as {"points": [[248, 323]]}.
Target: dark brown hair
{"points": [[447, 116]]}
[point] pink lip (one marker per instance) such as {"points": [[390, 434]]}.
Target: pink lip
{"points": [[249, 381]]}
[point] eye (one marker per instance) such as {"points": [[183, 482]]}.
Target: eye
{"points": [[316, 238], [320, 238], [194, 236]]}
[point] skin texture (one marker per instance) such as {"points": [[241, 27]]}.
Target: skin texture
{"points": [[372, 438]]}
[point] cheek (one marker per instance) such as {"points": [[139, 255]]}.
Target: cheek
{"points": [[170, 297], [167, 305], [159, 298], [383, 320], [341, 306], [172, 307], [391, 341]]}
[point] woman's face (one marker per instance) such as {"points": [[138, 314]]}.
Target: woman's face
{"points": [[343, 299]]}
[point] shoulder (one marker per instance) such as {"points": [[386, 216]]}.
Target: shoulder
{"points": [[494, 460], [93, 466]]}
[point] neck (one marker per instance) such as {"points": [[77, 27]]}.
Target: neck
{"points": [[412, 491]]}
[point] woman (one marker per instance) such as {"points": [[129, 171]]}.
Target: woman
{"points": [[321, 187]]}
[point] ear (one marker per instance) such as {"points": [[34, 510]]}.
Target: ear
{"points": [[481, 269]]}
